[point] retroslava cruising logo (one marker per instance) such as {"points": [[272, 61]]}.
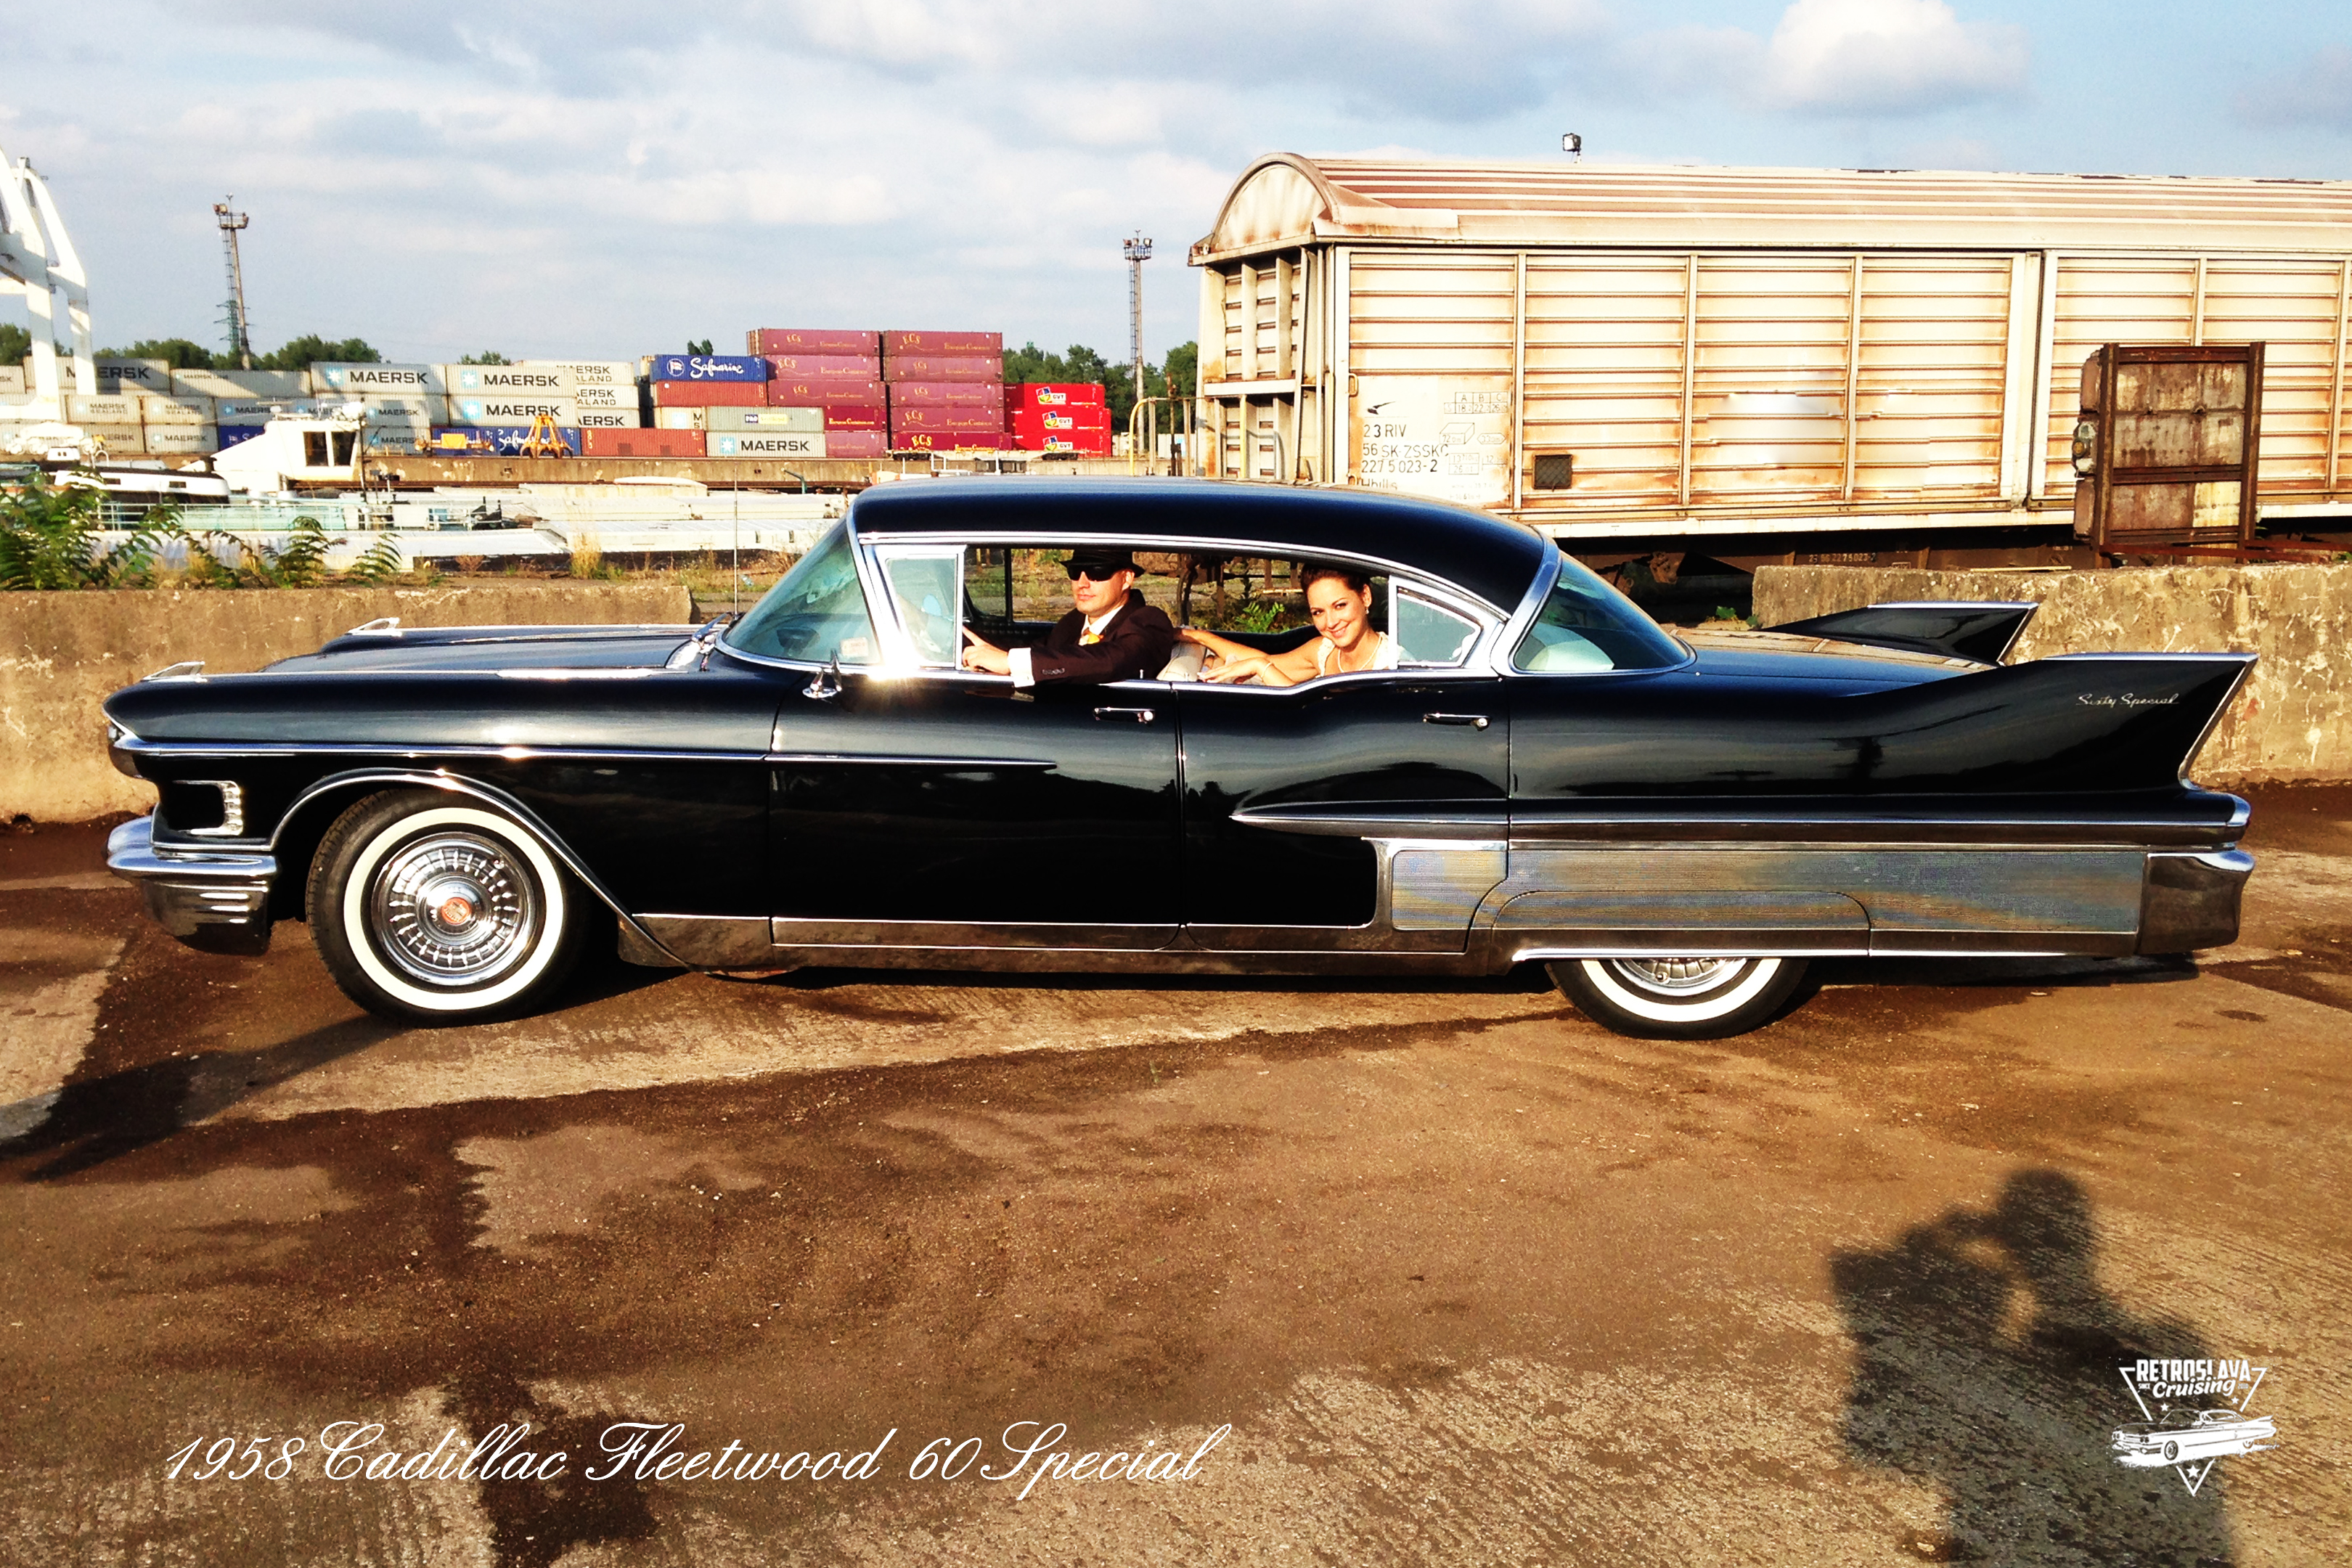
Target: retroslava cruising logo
{"points": [[2191, 1437]]}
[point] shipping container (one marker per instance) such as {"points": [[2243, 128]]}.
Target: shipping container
{"points": [[156, 409], [709, 394], [850, 417], [606, 396], [952, 416], [800, 421], [507, 380], [764, 443], [591, 372], [710, 367], [254, 412], [822, 367], [1054, 394], [696, 419], [500, 440], [171, 440], [117, 374], [119, 409], [12, 380], [944, 367], [1079, 443], [415, 409], [952, 393], [796, 392], [857, 443], [230, 435], [1621, 353], [607, 418], [1082, 418], [358, 379], [596, 442], [895, 343], [511, 410], [813, 340], [241, 385], [948, 441], [120, 440]]}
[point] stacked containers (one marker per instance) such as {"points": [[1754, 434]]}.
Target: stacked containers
{"points": [[591, 393], [946, 391], [837, 371], [1060, 417]]}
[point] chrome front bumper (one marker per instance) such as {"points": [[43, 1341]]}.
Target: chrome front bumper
{"points": [[216, 900]]}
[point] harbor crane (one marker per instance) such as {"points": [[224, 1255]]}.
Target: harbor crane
{"points": [[38, 259]]}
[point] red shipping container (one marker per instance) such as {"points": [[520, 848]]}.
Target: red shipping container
{"points": [[822, 367], [1083, 443], [813, 340], [595, 443], [945, 416], [956, 394], [1055, 394], [800, 392], [1061, 421], [948, 441], [851, 417], [857, 443], [944, 367], [944, 343], [712, 393]]}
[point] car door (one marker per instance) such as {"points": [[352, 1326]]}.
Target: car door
{"points": [[922, 803], [1362, 810]]}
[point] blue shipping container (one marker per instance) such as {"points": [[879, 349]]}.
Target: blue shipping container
{"points": [[230, 435], [492, 441], [710, 367]]}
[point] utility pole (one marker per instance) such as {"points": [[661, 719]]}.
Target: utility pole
{"points": [[1137, 252], [240, 342]]}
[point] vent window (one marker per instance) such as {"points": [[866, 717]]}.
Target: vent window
{"points": [[1554, 470]]}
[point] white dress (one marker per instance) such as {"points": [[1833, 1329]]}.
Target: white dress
{"points": [[1383, 657]]}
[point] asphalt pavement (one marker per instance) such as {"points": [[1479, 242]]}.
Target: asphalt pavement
{"points": [[1353, 1272]]}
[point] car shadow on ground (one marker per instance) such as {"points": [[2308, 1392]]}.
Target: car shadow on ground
{"points": [[1986, 1366]]}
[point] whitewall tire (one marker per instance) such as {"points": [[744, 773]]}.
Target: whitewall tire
{"points": [[1678, 998]]}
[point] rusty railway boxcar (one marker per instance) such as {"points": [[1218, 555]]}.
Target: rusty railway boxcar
{"points": [[1712, 355]]}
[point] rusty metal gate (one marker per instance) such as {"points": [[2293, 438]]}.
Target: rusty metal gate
{"points": [[2167, 445]]}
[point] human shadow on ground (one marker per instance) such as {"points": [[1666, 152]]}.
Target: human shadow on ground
{"points": [[1986, 1366]]}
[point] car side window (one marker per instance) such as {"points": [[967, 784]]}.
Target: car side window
{"points": [[926, 587], [816, 614], [1587, 626], [1429, 634]]}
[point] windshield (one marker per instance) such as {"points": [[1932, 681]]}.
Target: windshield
{"points": [[817, 614], [1586, 625]]}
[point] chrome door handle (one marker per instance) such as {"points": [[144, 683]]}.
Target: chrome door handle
{"points": [[1475, 720], [1140, 715]]}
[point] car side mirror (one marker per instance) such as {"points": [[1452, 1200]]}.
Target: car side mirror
{"points": [[825, 684]]}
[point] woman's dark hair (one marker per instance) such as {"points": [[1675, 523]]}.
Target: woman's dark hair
{"points": [[1355, 580]]}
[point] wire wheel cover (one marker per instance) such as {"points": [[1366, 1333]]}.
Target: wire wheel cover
{"points": [[1677, 976], [453, 909]]}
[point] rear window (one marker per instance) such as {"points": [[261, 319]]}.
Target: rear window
{"points": [[817, 614], [1586, 625]]}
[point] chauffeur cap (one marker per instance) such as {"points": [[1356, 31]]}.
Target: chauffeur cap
{"points": [[1099, 560]]}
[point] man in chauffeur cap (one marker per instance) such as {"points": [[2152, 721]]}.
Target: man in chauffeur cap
{"points": [[1112, 635]]}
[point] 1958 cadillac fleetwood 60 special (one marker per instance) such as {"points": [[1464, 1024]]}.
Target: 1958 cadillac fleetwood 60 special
{"points": [[1674, 826]]}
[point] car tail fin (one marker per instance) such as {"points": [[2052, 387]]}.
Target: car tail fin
{"points": [[1980, 632]]}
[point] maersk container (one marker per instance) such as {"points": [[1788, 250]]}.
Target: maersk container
{"points": [[122, 409], [527, 380], [608, 419], [589, 372], [12, 380], [898, 343], [682, 418], [798, 421], [641, 443], [120, 440], [170, 440], [800, 392], [813, 340], [822, 367], [133, 375], [155, 410], [393, 379], [499, 440], [240, 386], [252, 413], [943, 367], [764, 443], [709, 394], [510, 410], [954, 394], [604, 397], [419, 409], [710, 367]]}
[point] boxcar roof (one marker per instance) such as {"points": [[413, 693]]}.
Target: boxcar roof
{"points": [[1491, 557], [1285, 200]]}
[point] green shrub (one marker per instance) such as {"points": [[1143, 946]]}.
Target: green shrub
{"points": [[49, 537]]}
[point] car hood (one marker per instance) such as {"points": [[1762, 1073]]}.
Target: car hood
{"points": [[491, 649]]}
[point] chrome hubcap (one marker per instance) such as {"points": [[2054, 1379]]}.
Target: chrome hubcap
{"points": [[1677, 976], [453, 909]]}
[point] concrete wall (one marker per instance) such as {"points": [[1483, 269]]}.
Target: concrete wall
{"points": [[62, 654], [2292, 721]]}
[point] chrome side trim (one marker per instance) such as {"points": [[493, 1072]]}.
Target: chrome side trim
{"points": [[838, 759], [698, 941], [946, 935], [523, 815], [403, 749], [1534, 827], [1375, 819], [587, 672]]}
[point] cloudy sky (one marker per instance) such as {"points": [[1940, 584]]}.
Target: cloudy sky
{"points": [[601, 180]]}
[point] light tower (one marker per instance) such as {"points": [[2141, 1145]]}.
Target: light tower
{"points": [[240, 342], [1137, 252]]}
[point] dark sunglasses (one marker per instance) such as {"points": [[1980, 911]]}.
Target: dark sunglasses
{"points": [[1076, 571]]}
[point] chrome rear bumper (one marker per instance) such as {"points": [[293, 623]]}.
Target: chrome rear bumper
{"points": [[216, 900]]}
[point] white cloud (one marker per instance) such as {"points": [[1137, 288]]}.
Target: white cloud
{"points": [[1889, 57]]}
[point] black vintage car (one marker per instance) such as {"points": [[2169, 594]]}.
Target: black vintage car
{"points": [[1673, 824]]}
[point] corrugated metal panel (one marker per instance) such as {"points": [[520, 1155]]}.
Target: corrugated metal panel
{"points": [[795, 421], [2296, 308], [163, 410], [359, 379], [1931, 379], [1604, 371]]}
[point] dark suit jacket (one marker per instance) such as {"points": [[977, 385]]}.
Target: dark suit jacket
{"points": [[1135, 644]]}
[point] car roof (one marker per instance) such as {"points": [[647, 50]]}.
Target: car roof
{"points": [[1491, 557]]}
